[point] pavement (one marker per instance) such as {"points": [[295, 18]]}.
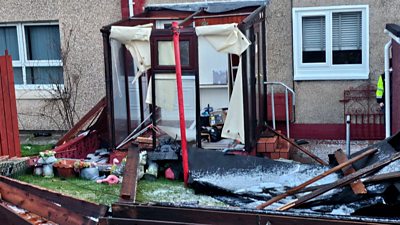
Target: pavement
{"points": [[322, 148], [42, 139]]}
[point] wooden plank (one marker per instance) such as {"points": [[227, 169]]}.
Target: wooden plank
{"points": [[84, 120], [41, 207], [324, 174], [227, 217], [7, 109], [367, 180], [357, 186], [382, 177], [345, 180], [129, 183], [124, 221], [16, 151], [7, 216], [3, 125], [312, 155], [76, 205]]}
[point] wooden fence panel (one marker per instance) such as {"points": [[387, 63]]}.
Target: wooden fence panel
{"points": [[9, 133]]}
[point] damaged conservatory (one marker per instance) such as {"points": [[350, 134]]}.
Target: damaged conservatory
{"points": [[224, 99]]}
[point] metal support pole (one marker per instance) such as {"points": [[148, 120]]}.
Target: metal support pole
{"points": [[273, 107], [185, 163], [387, 90], [348, 121], [287, 113]]}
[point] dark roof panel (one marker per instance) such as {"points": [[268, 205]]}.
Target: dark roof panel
{"points": [[393, 28], [210, 7]]}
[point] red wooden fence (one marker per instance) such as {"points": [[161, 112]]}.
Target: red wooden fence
{"points": [[9, 133]]}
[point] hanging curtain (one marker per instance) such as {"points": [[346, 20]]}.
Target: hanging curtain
{"points": [[137, 40], [229, 39]]}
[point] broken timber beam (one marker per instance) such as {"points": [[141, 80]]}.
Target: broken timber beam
{"points": [[305, 151], [367, 180], [129, 183], [357, 186], [7, 216], [125, 221], [84, 120], [70, 203], [326, 173], [187, 215], [345, 180], [41, 207]]}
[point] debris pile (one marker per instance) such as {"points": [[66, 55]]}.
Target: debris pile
{"points": [[368, 183]]}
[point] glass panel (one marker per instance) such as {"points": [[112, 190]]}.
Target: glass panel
{"points": [[167, 99], [166, 53], [18, 78], [119, 95], [43, 42], [44, 75], [9, 41], [314, 44], [347, 38]]}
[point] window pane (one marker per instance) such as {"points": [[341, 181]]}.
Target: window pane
{"points": [[43, 42], [314, 48], [347, 38], [9, 41], [166, 53], [18, 79], [44, 75]]}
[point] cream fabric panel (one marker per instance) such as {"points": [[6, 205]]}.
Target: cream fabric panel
{"points": [[137, 41], [229, 39]]}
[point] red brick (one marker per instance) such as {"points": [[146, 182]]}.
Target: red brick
{"points": [[275, 155], [267, 144], [284, 155]]}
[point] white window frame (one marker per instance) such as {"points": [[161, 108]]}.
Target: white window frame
{"points": [[23, 62], [328, 71]]}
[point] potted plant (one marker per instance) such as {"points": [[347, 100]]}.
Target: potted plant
{"points": [[46, 160], [65, 168], [87, 170]]}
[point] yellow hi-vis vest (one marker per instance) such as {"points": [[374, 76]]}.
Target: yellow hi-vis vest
{"points": [[379, 88]]}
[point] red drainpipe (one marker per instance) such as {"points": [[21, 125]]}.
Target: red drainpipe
{"points": [[175, 29], [125, 9], [138, 7]]}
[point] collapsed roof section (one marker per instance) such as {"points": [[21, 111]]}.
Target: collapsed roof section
{"points": [[209, 7]]}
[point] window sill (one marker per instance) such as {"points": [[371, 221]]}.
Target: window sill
{"points": [[33, 94], [305, 75]]}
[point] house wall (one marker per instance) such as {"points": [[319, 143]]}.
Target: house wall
{"points": [[84, 18], [318, 101]]}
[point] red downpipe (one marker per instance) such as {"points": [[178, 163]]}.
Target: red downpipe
{"points": [[175, 29]]}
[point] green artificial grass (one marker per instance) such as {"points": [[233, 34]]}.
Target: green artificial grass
{"points": [[78, 188], [32, 150], [161, 190]]}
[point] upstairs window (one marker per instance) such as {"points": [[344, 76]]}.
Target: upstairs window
{"points": [[346, 38], [314, 45], [330, 43], [36, 52]]}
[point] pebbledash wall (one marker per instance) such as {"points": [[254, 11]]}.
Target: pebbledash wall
{"points": [[85, 19], [319, 112]]}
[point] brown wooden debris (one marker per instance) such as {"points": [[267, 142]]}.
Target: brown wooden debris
{"points": [[128, 188], [326, 173], [357, 186], [341, 182]]}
